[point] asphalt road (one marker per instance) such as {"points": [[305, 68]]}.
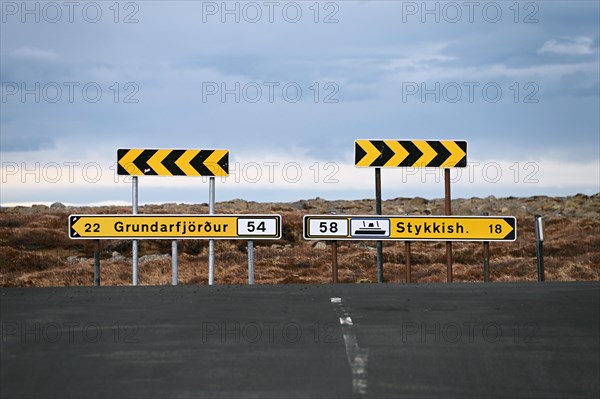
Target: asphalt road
{"points": [[442, 340]]}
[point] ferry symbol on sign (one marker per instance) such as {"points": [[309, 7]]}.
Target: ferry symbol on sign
{"points": [[370, 227]]}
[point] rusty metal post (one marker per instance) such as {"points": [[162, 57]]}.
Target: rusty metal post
{"points": [[486, 261], [448, 212], [407, 255], [334, 261], [97, 263], [378, 211]]}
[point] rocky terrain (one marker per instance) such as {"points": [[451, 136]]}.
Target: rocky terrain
{"points": [[35, 249]]}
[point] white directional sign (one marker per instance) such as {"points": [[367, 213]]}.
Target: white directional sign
{"points": [[325, 227], [258, 226]]}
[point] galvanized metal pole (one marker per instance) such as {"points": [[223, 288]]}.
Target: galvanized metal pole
{"points": [[134, 211], [174, 265], [250, 262], [407, 255], [97, 263], [334, 261], [378, 210], [539, 247], [448, 212], [486, 261], [211, 243]]}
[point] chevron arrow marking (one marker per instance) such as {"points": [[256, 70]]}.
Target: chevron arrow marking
{"points": [[156, 163], [372, 153], [212, 162], [410, 153], [400, 153], [428, 153], [184, 163], [456, 154], [152, 162], [127, 162]]}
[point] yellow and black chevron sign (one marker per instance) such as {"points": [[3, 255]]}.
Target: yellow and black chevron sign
{"points": [[410, 153], [145, 162]]}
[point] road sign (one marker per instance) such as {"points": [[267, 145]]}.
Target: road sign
{"points": [[247, 227], [140, 162], [410, 228], [410, 153]]}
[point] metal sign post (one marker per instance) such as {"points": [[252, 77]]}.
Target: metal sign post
{"points": [[486, 261], [211, 243], [134, 259], [97, 263], [448, 213], [174, 265], [407, 254], [250, 262], [334, 261], [378, 211]]}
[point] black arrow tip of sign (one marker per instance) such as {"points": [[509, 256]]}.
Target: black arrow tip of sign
{"points": [[510, 236], [359, 153], [224, 162], [513, 233]]}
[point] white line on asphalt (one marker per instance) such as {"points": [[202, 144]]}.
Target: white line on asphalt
{"points": [[357, 357]]}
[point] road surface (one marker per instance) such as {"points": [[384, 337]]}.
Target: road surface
{"points": [[505, 340]]}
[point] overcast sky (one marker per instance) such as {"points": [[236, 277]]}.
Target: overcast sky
{"points": [[287, 87]]}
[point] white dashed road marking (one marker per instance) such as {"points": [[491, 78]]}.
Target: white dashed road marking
{"points": [[357, 357]]}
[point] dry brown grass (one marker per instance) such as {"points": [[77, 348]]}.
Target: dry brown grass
{"points": [[35, 249]]}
